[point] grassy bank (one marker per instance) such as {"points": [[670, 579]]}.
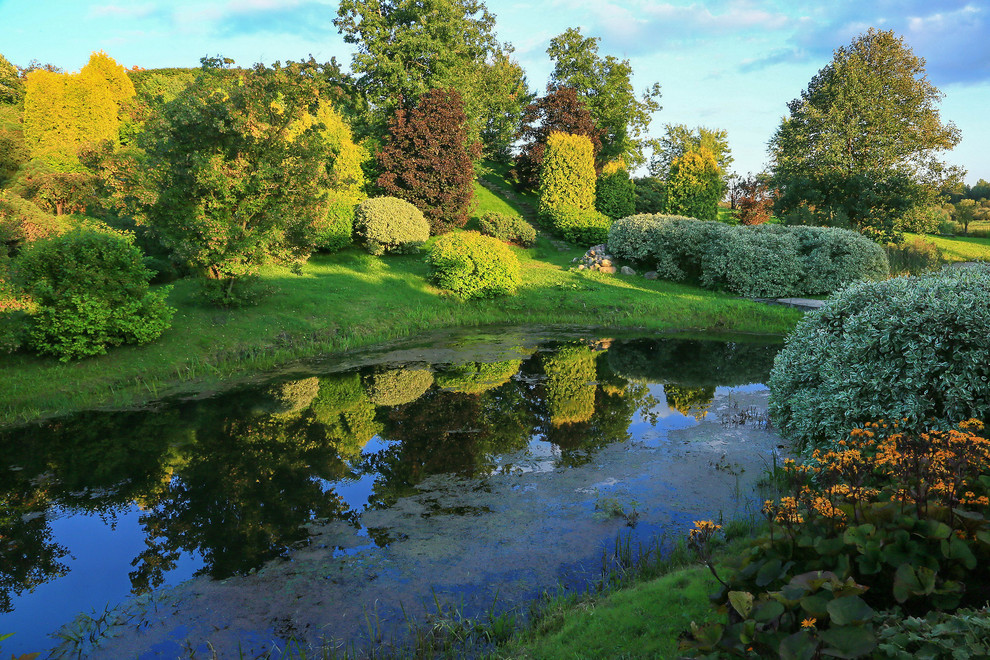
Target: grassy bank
{"points": [[352, 299]]}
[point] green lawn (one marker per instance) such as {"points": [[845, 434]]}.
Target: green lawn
{"points": [[352, 299], [959, 248]]}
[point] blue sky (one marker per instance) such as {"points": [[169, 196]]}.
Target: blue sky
{"points": [[730, 64]]}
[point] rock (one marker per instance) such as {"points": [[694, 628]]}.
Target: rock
{"points": [[582, 267], [650, 275], [626, 270], [608, 269], [575, 260], [605, 263], [591, 253]]}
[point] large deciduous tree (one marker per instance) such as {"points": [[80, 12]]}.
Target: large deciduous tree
{"points": [[11, 85], [560, 111], [603, 83], [862, 144], [237, 180], [694, 185], [427, 159], [678, 139]]}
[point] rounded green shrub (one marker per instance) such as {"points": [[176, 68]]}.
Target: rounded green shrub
{"points": [[395, 387], [581, 226], [390, 224], [913, 349], [474, 266], [508, 228], [637, 237], [21, 222], [90, 286], [291, 397], [477, 377], [754, 262], [832, 258]]}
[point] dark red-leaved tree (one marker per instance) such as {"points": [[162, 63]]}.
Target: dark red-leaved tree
{"points": [[755, 199], [560, 110], [428, 161]]}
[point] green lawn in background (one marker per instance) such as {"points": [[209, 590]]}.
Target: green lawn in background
{"points": [[958, 248]]}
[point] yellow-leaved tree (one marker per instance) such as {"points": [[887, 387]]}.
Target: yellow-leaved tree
{"points": [[64, 112]]}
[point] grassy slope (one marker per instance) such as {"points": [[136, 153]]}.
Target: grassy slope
{"points": [[959, 248], [352, 299]]}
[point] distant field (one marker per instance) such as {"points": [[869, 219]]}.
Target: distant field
{"points": [[959, 248]]}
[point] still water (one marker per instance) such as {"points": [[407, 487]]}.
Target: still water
{"points": [[472, 470]]}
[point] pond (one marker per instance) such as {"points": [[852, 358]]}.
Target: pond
{"points": [[472, 470]]}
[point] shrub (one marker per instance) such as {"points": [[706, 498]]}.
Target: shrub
{"points": [[388, 224], [508, 228], [473, 266], [833, 257], [396, 387], [567, 177], [333, 230], [755, 200], [21, 222], [922, 219], [571, 384], [683, 244], [962, 634], [345, 180], [477, 377], [914, 257], [428, 160], [581, 226], [757, 262], [345, 413], [615, 193], [914, 348], [91, 289], [694, 185], [291, 397], [637, 237], [649, 194]]}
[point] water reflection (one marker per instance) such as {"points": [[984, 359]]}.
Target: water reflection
{"points": [[236, 479]]}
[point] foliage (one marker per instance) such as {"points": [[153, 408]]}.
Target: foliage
{"points": [[291, 397], [693, 401], [582, 227], [691, 363], [389, 224], [54, 191], [604, 85], [22, 222], [346, 413], [678, 140], [504, 95], [11, 85], [567, 176], [477, 377], [91, 289], [914, 257], [861, 144], [964, 634], [396, 387], [765, 260], [911, 348], [649, 194], [508, 227], [571, 384], [13, 150], [473, 266], [693, 185], [559, 111], [406, 48], [232, 182], [427, 159], [65, 112], [755, 200], [922, 219], [615, 193], [889, 518]]}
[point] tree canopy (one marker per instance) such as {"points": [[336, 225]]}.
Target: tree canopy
{"points": [[863, 142], [605, 87], [678, 139]]}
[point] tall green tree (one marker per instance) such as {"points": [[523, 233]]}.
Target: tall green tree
{"points": [[604, 85], [407, 47], [863, 143], [694, 185], [11, 85], [238, 175], [678, 139]]}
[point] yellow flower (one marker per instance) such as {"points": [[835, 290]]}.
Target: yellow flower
{"points": [[809, 623]]}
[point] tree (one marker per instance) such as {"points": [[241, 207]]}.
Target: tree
{"points": [[567, 178], [559, 111], [11, 85], [497, 94], [236, 183], [427, 159], [615, 193], [678, 139], [604, 85], [694, 186], [405, 48], [862, 143], [755, 199], [964, 212]]}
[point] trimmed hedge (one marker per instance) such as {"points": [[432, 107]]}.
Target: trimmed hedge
{"points": [[396, 387], [760, 261], [473, 266], [567, 176], [390, 224], [508, 228], [581, 226], [615, 194], [914, 349]]}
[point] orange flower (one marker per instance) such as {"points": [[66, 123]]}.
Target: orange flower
{"points": [[809, 623]]}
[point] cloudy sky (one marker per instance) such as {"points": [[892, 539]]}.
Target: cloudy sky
{"points": [[730, 64]]}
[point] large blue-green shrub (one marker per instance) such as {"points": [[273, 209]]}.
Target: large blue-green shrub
{"points": [[90, 286], [760, 261], [912, 349], [474, 266]]}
